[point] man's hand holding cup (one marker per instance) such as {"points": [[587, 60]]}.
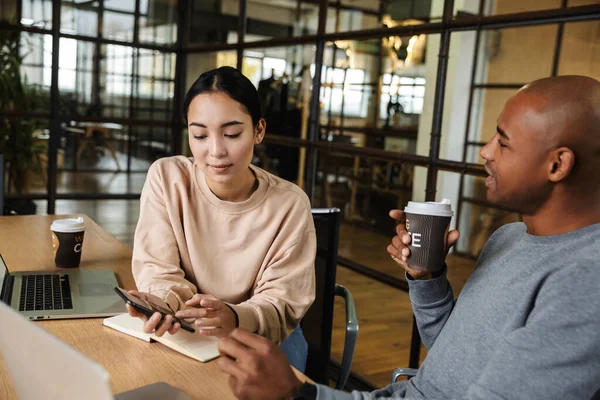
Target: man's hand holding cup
{"points": [[428, 223]]}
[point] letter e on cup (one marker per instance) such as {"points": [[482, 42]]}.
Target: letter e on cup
{"points": [[416, 239]]}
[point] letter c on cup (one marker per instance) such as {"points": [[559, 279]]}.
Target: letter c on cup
{"points": [[77, 248]]}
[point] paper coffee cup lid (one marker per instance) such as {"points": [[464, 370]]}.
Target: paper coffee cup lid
{"points": [[68, 225], [441, 209]]}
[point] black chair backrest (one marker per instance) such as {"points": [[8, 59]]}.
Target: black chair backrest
{"points": [[1, 184], [318, 321]]}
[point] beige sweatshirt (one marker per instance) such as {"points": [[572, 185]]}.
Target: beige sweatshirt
{"points": [[256, 255]]}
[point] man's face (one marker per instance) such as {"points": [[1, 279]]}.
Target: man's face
{"points": [[515, 157]]}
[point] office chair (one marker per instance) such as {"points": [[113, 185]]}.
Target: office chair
{"points": [[408, 372], [317, 324], [97, 138]]}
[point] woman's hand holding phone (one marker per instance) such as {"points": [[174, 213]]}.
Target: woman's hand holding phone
{"points": [[213, 316], [154, 323]]}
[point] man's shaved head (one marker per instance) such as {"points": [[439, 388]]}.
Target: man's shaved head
{"points": [[546, 151], [568, 108]]}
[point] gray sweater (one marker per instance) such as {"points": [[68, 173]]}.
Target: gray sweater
{"points": [[526, 325]]}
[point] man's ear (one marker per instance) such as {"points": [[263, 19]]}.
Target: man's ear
{"points": [[562, 162], [259, 131]]}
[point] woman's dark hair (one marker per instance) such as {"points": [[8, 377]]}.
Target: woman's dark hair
{"points": [[231, 82]]}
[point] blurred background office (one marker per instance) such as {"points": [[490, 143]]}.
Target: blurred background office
{"points": [[369, 104]]}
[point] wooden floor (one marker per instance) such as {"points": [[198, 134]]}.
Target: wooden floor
{"points": [[384, 313]]}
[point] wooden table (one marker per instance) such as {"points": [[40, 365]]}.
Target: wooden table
{"points": [[25, 244]]}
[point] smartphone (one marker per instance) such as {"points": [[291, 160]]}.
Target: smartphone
{"points": [[148, 308]]}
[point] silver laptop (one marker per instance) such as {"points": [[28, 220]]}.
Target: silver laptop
{"points": [[43, 367], [61, 294]]}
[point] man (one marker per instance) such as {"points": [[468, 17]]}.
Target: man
{"points": [[527, 323]]}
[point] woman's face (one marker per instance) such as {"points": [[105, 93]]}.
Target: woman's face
{"points": [[222, 137]]}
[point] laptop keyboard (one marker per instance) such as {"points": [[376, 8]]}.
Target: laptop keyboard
{"points": [[45, 292]]}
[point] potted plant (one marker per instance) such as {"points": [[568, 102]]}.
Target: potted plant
{"points": [[16, 133]]}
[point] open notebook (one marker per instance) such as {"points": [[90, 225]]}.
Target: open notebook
{"points": [[193, 345]]}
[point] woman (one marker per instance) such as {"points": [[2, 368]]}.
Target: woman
{"points": [[218, 239]]}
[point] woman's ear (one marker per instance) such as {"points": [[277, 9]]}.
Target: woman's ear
{"points": [[563, 160], [259, 131]]}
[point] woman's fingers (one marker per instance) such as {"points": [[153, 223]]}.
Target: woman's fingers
{"points": [[152, 322], [197, 298], [202, 322], [214, 331], [196, 313], [164, 326], [213, 303], [174, 328], [135, 313]]}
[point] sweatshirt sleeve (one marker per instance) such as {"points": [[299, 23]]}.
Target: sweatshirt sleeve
{"points": [[556, 354], [156, 263], [285, 289], [432, 302]]}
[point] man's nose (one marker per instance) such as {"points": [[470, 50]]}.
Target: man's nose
{"points": [[486, 152]]}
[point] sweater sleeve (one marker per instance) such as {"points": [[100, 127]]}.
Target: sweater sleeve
{"points": [[432, 302], [556, 354], [284, 291], [393, 391], [156, 263]]}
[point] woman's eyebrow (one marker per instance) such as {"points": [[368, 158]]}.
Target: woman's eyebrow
{"points": [[230, 123], [225, 125]]}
